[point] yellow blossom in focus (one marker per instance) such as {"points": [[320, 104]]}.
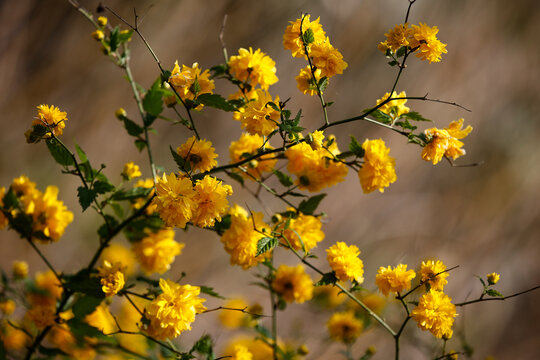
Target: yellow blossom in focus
{"points": [[233, 319], [493, 278], [394, 108], [305, 82], [240, 239], [445, 142], [156, 252], [378, 170], [327, 58], [20, 269], [131, 171], [258, 117], [12, 338], [345, 263], [101, 319], [116, 253], [102, 21], [344, 327], [429, 47], [292, 40], [173, 311], [293, 284], [399, 36], [395, 280], [432, 272], [255, 68], [211, 201], [199, 153], [7, 307], [306, 228], [174, 200], [435, 312], [112, 277], [52, 118], [190, 82], [247, 146], [98, 35]]}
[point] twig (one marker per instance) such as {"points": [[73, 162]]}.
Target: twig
{"points": [[480, 299]]}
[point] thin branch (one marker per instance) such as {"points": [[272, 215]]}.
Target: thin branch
{"points": [[222, 38], [480, 299], [235, 309]]}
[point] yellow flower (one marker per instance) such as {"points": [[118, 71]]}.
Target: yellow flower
{"points": [[329, 296], [120, 113], [173, 311], [49, 289], [345, 263], [432, 272], [22, 186], [292, 40], [156, 252], [344, 327], [240, 240], [241, 353], [12, 338], [305, 82], [174, 200], [131, 171], [233, 319], [112, 277], [293, 284], [397, 37], [138, 203], [199, 153], [315, 140], [116, 253], [259, 349], [190, 82], [378, 170], [98, 35], [255, 68], [7, 307], [63, 339], [52, 118], [3, 218], [435, 312], [394, 280], [20, 269], [258, 117], [211, 201], [42, 315], [445, 142], [394, 108], [373, 301], [327, 58], [306, 228], [101, 319], [429, 47], [129, 319], [102, 21], [493, 278], [247, 146]]}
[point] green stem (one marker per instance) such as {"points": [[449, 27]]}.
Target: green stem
{"points": [[49, 265]]}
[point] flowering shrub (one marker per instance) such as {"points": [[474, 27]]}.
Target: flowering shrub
{"points": [[68, 314]]}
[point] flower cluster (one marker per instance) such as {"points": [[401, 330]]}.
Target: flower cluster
{"points": [[344, 327], [131, 171], [394, 108], [433, 273], [293, 284], [394, 280], [445, 142], [253, 68], [156, 252], [173, 311], [345, 263], [199, 153], [49, 120], [435, 312], [378, 170], [302, 229], [258, 117], [190, 82], [420, 39], [248, 145]]}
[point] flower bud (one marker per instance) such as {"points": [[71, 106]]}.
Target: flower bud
{"points": [[20, 269], [493, 278], [102, 21], [120, 113], [98, 35]]}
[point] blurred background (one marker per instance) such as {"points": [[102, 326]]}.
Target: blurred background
{"points": [[483, 218]]}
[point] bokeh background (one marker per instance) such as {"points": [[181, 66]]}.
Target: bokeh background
{"points": [[483, 218]]}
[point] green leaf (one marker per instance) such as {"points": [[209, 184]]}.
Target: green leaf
{"points": [[356, 148], [118, 210], [102, 187], [405, 124], [140, 144], [223, 225], [183, 165], [266, 244], [297, 118], [393, 63], [216, 101], [124, 36], [401, 51], [83, 282], [284, 179], [114, 40], [10, 199], [210, 291], [195, 88], [413, 115], [131, 194], [81, 329], [273, 106], [236, 177], [86, 197], [152, 102], [218, 70], [132, 128], [308, 36], [492, 292], [382, 117], [59, 153], [323, 83], [85, 305], [203, 346], [309, 206], [327, 279], [81, 153]]}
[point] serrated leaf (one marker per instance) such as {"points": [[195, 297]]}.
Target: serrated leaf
{"points": [[309, 206], [210, 291], [86, 197], [153, 102], [323, 84], [183, 165], [273, 106], [413, 115], [327, 279], [223, 225], [102, 187], [266, 244], [85, 305], [132, 128], [308, 36], [203, 346], [297, 118], [405, 124], [356, 148], [381, 116], [216, 101], [492, 292], [284, 179], [118, 210], [59, 153]]}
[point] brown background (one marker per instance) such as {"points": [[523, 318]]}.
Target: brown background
{"points": [[482, 218]]}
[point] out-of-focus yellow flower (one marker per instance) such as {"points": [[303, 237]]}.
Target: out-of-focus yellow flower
{"points": [[493, 278], [258, 348], [138, 203], [445, 142], [293, 284], [131, 171], [432, 272], [344, 261], [102, 21], [13, 339], [98, 35], [156, 252], [120, 113], [112, 277], [435, 312], [63, 338], [174, 200], [248, 145], [190, 82], [116, 253], [394, 280], [20, 269], [329, 296], [42, 315], [23, 186], [233, 319], [304, 227], [394, 108], [379, 168], [255, 68], [327, 58], [129, 319], [211, 201], [50, 290], [199, 153], [173, 311], [258, 117], [7, 307], [241, 353], [241, 238], [344, 327], [292, 39], [102, 319]]}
